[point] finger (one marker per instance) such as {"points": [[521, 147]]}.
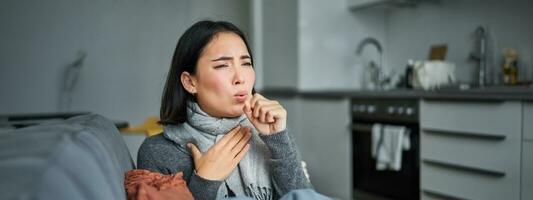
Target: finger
{"points": [[269, 117], [249, 115], [240, 145], [247, 107], [228, 136], [265, 111], [196, 154], [255, 98], [238, 137], [273, 113], [241, 154], [255, 108], [261, 103], [278, 113]]}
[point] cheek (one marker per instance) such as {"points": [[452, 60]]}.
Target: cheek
{"points": [[251, 78], [215, 84]]}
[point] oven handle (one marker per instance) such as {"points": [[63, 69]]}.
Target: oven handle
{"points": [[363, 127]]}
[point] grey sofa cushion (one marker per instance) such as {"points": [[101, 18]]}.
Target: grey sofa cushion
{"points": [[80, 158]]}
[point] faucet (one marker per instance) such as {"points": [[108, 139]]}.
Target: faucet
{"points": [[375, 76], [481, 55], [372, 41]]}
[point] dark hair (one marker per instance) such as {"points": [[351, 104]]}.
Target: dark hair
{"points": [[188, 50]]}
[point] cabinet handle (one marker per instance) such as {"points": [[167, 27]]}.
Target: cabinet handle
{"points": [[464, 134], [467, 97], [441, 195], [463, 167]]}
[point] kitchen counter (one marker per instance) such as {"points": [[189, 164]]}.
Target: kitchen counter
{"points": [[495, 93], [451, 122]]}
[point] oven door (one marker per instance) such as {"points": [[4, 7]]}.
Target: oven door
{"points": [[403, 184]]}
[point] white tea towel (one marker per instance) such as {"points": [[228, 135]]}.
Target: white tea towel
{"points": [[388, 142], [376, 135]]}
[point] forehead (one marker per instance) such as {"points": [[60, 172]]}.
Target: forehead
{"points": [[225, 43]]}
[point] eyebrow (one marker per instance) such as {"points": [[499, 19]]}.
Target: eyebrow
{"points": [[230, 58]]}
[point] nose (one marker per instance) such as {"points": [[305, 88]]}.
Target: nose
{"points": [[238, 76]]}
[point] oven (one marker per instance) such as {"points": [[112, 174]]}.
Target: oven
{"points": [[389, 184]]}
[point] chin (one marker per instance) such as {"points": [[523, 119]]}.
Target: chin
{"points": [[236, 111]]}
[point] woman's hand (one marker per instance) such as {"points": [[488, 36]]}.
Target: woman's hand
{"points": [[267, 116], [220, 160]]}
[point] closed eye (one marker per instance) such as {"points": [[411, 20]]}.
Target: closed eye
{"points": [[247, 64], [220, 66]]}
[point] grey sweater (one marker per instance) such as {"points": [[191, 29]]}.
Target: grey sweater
{"points": [[159, 154]]}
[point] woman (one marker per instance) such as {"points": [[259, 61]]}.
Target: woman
{"points": [[226, 140]]}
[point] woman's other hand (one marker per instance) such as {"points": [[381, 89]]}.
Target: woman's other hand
{"points": [[220, 160], [268, 116]]}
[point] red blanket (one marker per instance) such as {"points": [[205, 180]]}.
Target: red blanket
{"points": [[146, 185]]}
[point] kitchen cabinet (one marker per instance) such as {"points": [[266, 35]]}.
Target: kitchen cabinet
{"points": [[528, 121], [361, 4], [527, 151], [470, 149], [356, 5], [321, 131]]}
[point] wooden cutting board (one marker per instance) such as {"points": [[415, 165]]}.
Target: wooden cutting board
{"points": [[438, 52]]}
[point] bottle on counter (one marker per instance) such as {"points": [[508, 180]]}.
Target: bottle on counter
{"points": [[409, 73], [510, 67]]}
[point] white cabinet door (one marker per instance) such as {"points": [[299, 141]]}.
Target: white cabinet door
{"points": [[527, 151], [470, 150], [321, 130], [528, 121], [527, 170], [483, 119]]}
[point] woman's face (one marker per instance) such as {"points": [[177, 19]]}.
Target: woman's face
{"points": [[224, 76]]}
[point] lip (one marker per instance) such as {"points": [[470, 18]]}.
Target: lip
{"points": [[241, 96]]}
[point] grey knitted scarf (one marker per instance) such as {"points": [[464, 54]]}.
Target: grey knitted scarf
{"points": [[252, 176]]}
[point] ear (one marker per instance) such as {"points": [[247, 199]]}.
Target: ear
{"points": [[189, 82]]}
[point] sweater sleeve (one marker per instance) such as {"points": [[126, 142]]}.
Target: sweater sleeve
{"points": [[157, 154], [285, 163]]}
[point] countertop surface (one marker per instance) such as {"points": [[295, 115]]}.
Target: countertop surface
{"points": [[493, 93]]}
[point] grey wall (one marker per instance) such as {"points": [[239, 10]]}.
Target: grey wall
{"points": [[129, 45], [310, 45], [328, 36], [280, 40], [235, 11], [411, 32]]}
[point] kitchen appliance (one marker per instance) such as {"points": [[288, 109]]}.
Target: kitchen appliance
{"points": [[433, 74], [402, 184]]}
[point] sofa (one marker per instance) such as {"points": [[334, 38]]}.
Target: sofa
{"points": [[83, 157]]}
